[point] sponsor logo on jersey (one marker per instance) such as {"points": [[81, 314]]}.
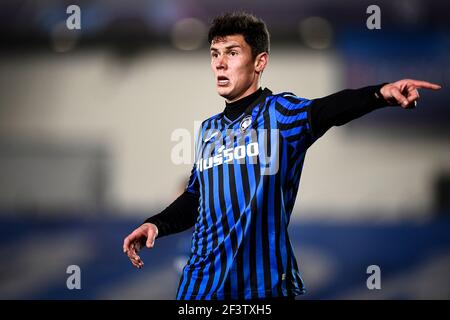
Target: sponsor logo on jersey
{"points": [[256, 146], [228, 155]]}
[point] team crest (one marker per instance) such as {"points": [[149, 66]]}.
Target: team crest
{"points": [[245, 123]]}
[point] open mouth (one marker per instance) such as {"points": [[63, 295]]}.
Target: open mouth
{"points": [[222, 80]]}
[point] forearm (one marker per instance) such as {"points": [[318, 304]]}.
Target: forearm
{"points": [[178, 216], [344, 106]]}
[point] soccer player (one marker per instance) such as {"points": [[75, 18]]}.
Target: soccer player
{"points": [[249, 160]]}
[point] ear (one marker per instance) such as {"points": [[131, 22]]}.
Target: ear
{"points": [[261, 61]]}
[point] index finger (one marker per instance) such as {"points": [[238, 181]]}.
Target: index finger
{"points": [[425, 84], [126, 243]]}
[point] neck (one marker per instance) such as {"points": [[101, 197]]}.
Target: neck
{"points": [[234, 109]]}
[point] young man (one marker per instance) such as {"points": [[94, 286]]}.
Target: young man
{"points": [[249, 161]]}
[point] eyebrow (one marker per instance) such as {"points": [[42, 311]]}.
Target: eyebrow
{"points": [[227, 47]]}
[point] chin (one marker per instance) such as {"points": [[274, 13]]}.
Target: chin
{"points": [[224, 92]]}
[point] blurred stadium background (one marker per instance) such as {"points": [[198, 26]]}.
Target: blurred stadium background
{"points": [[87, 122]]}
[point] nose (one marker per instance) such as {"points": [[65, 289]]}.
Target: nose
{"points": [[220, 62]]}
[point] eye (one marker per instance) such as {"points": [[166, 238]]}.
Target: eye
{"points": [[214, 54], [233, 53]]}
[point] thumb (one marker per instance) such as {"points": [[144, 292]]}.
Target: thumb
{"points": [[150, 239]]}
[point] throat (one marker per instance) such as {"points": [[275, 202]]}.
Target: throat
{"points": [[235, 109]]}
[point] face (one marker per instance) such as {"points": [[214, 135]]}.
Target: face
{"points": [[236, 72]]}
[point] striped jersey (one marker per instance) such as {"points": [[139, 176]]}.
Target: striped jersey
{"points": [[247, 174]]}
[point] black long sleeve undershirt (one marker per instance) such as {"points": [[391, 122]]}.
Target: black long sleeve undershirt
{"points": [[344, 106], [178, 216], [333, 110]]}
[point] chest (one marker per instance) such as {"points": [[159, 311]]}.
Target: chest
{"points": [[249, 140]]}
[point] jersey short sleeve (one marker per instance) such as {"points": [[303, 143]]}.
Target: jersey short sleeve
{"points": [[294, 118]]}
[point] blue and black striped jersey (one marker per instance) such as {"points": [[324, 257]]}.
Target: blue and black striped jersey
{"points": [[242, 190], [247, 174]]}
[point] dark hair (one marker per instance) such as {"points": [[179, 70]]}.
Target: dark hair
{"points": [[253, 29]]}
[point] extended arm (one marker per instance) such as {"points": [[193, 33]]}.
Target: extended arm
{"points": [[341, 107]]}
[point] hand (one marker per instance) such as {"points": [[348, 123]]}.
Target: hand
{"points": [[404, 92], [145, 234]]}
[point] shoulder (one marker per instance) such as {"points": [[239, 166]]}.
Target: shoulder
{"points": [[207, 123], [285, 102]]}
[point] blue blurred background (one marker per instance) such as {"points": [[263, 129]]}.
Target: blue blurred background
{"points": [[92, 121]]}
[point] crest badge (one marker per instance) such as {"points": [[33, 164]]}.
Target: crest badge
{"points": [[245, 123]]}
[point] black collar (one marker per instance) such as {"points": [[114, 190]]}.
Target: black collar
{"points": [[245, 105]]}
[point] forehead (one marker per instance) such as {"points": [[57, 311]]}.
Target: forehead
{"points": [[231, 40]]}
